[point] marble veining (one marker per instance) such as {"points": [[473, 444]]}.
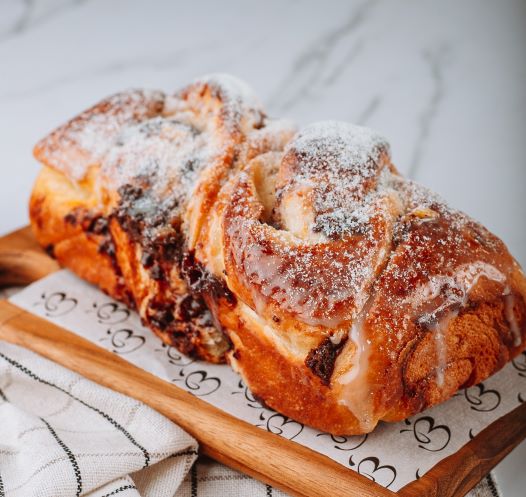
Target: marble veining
{"points": [[311, 72], [445, 82], [29, 13], [436, 59]]}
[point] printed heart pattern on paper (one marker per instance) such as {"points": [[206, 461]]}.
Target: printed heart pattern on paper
{"points": [[430, 436], [519, 363], [57, 304], [174, 356], [371, 468], [110, 313], [124, 340], [346, 443], [199, 383], [481, 398], [426, 437], [249, 397], [281, 425]]}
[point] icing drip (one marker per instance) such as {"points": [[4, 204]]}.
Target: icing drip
{"points": [[456, 289], [439, 330], [337, 338], [462, 282], [277, 276], [357, 395]]}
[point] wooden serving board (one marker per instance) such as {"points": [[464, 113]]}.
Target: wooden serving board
{"points": [[263, 455]]}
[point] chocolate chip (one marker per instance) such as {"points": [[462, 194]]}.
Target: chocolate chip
{"points": [[157, 273], [71, 218], [202, 282], [192, 307], [321, 359], [99, 225], [50, 250], [147, 259]]}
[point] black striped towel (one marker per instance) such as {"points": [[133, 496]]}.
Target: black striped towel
{"points": [[62, 435]]}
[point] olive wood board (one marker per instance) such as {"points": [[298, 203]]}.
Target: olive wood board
{"points": [[270, 458]]}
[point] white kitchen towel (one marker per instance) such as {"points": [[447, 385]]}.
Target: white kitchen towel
{"points": [[210, 479], [62, 435], [206, 478], [393, 455]]}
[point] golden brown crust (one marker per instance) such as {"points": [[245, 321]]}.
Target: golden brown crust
{"points": [[434, 304], [60, 218], [127, 186], [344, 294], [73, 152]]}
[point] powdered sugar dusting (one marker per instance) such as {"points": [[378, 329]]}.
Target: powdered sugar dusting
{"points": [[341, 164], [321, 277], [341, 227], [86, 139], [234, 90], [320, 285], [165, 153], [100, 129], [340, 145], [241, 109], [143, 138]]}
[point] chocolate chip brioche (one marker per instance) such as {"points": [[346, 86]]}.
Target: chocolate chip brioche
{"points": [[127, 185], [342, 293]]}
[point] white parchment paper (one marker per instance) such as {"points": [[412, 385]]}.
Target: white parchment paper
{"points": [[393, 455]]}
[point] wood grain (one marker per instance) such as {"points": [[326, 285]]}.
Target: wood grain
{"points": [[273, 459], [459, 473], [22, 261], [284, 464]]}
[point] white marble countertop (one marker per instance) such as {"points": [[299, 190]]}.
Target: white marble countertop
{"points": [[444, 81]]}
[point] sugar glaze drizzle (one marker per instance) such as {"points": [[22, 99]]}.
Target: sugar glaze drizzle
{"points": [[459, 287], [357, 395]]}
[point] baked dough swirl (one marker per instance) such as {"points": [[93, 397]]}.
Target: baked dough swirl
{"points": [[342, 293]]}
